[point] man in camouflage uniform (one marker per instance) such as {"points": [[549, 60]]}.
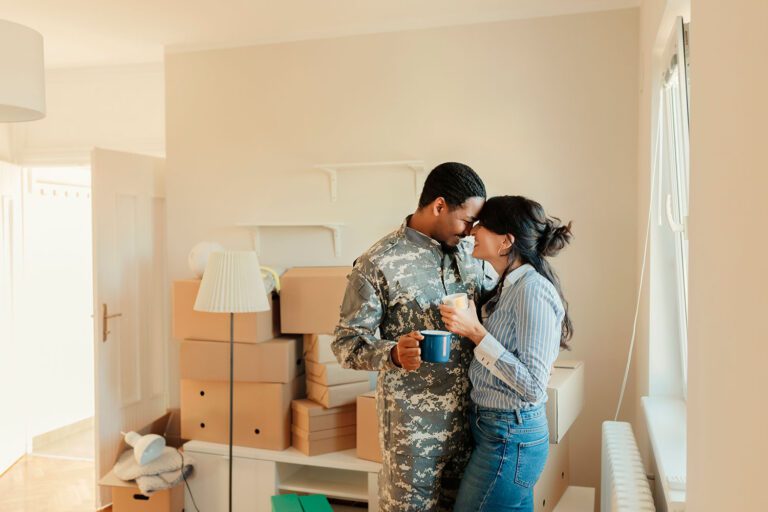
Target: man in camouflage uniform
{"points": [[395, 288]]}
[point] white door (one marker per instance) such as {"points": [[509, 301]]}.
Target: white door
{"points": [[12, 426], [129, 281]]}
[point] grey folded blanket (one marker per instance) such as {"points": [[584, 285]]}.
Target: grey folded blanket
{"points": [[162, 473]]}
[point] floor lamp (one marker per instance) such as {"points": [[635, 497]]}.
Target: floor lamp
{"points": [[232, 283]]}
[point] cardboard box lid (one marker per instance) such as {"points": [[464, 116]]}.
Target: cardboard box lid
{"points": [[312, 408], [370, 394], [299, 272], [318, 435]]}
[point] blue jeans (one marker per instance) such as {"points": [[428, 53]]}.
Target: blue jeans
{"points": [[511, 449]]}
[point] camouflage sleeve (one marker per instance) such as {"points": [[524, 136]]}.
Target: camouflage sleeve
{"points": [[356, 345]]}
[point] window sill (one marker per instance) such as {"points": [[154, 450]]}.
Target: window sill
{"points": [[666, 419]]}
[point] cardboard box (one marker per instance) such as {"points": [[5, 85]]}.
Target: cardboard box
{"points": [[311, 297], [323, 441], [262, 412], [311, 416], [126, 499], [565, 394], [126, 496], [317, 348], [334, 396], [554, 480], [332, 374], [277, 360], [196, 325], [368, 446]]}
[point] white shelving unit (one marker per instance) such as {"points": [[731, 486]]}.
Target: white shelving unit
{"points": [[256, 227], [260, 474], [332, 170]]}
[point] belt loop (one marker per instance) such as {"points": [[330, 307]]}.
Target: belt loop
{"points": [[519, 418]]}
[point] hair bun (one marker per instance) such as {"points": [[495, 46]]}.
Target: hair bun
{"points": [[554, 238]]}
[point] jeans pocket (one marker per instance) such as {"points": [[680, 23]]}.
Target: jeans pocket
{"points": [[495, 429], [531, 458]]}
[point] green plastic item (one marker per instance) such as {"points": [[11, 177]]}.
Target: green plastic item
{"points": [[286, 503], [315, 503]]}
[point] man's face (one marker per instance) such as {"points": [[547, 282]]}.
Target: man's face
{"points": [[454, 224]]}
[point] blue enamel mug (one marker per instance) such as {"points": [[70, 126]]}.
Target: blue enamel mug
{"points": [[436, 346]]}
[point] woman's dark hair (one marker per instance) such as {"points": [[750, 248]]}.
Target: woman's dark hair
{"points": [[452, 181], [536, 238]]}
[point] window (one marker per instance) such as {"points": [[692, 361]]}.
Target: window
{"points": [[669, 241]]}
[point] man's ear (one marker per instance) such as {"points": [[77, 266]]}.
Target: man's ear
{"points": [[438, 206], [510, 240]]}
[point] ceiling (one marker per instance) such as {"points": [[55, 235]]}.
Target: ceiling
{"points": [[112, 32]]}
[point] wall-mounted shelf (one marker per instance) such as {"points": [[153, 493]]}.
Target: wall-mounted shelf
{"points": [[255, 229], [332, 170]]}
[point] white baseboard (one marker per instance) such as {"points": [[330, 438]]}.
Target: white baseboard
{"points": [[44, 440]]}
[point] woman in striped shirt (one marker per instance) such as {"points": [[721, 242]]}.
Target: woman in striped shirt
{"points": [[524, 325]]}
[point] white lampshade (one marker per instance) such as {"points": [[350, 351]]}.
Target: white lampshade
{"points": [[232, 283], [22, 73]]}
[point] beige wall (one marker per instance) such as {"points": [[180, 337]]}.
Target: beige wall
{"points": [[727, 445], [545, 107], [117, 107]]}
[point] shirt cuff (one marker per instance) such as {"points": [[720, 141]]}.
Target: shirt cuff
{"points": [[488, 351], [386, 362]]}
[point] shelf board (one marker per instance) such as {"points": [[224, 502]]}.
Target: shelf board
{"points": [[345, 459], [333, 483]]}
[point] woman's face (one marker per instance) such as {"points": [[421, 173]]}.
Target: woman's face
{"points": [[488, 245]]}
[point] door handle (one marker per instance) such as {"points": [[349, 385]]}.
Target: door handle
{"points": [[104, 321]]}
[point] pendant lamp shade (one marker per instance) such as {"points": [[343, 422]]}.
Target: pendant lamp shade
{"points": [[22, 75], [232, 283]]}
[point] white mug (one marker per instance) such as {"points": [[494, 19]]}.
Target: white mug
{"points": [[457, 300]]}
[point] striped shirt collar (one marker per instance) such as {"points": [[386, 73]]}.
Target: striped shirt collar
{"points": [[516, 274]]}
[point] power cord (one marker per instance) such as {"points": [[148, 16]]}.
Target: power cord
{"points": [[184, 476]]}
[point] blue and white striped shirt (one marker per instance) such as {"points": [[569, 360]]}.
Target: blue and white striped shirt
{"points": [[513, 361]]}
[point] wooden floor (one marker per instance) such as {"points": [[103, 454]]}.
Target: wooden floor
{"points": [[43, 484]]}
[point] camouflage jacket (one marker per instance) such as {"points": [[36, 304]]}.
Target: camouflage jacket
{"points": [[395, 288]]}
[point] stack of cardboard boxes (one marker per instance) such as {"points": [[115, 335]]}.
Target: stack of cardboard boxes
{"points": [[311, 298], [268, 374], [280, 356]]}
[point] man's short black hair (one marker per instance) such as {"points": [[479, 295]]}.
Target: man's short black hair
{"points": [[454, 182]]}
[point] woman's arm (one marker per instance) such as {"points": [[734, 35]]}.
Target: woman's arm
{"points": [[533, 313]]}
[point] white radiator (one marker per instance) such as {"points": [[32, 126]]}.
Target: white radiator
{"points": [[624, 486]]}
